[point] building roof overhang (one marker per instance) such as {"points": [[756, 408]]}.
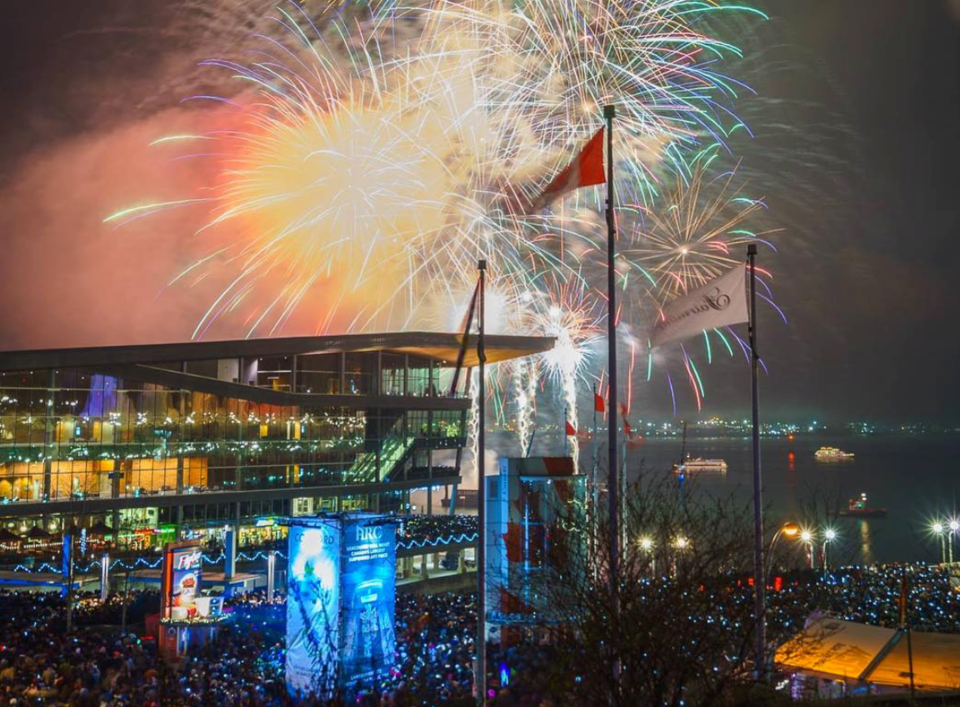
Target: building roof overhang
{"points": [[441, 347]]}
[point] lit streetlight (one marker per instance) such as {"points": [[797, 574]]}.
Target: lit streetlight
{"points": [[937, 529], [807, 538], [646, 544], [829, 536], [954, 526], [788, 529]]}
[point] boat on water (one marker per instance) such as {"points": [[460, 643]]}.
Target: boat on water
{"points": [[857, 508], [832, 454], [691, 465]]}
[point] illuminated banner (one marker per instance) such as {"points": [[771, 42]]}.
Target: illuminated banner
{"points": [[313, 600], [340, 603], [368, 599], [182, 573]]}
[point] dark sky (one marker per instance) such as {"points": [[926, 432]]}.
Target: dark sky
{"points": [[856, 150]]}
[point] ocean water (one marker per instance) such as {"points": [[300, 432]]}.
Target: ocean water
{"points": [[917, 479]]}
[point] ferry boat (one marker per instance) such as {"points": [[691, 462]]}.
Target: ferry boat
{"points": [[857, 508], [832, 454], [691, 465]]}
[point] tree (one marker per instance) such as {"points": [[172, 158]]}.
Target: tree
{"points": [[684, 629]]}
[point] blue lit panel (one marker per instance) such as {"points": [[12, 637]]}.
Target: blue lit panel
{"points": [[369, 597], [313, 600]]}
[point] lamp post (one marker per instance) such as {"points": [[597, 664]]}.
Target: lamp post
{"points": [[829, 536], [937, 529], [788, 529], [807, 537], [646, 544], [954, 526]]}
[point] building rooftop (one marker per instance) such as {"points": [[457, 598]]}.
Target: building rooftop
{"points": [[439, 346]]}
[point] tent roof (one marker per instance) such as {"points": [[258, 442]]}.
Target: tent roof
{"points": [[834, 647], [846, 649], [936, 662]]}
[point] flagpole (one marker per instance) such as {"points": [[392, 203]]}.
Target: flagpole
{"points": [[481, 678], [905, 626], [759, 580], [593, 483], [609, 112]]}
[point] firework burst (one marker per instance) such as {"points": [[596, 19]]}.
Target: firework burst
{"points": [[377, 152]]}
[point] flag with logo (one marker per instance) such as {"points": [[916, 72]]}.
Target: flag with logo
{"points": [[586, 170], [721, 302]]}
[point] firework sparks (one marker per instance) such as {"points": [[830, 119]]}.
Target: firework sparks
{"points": [[377, 153]]}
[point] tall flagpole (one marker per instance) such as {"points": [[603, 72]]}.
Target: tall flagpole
{"points": [[594, 494], [609, 112], [759, 577], [481, 641]]}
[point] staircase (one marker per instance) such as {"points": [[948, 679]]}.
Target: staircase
{"points": [[392, 453]]}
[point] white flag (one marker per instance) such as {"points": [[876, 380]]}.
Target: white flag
{"points": [[720, 302]]}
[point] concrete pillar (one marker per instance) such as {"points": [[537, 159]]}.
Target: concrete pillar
{"points": [[271, 571], [230, 553], [104, 576]]}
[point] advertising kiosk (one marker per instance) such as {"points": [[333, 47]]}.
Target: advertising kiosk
{"points": [[187, 618], [341, 595]]}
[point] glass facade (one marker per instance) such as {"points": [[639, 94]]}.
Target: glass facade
{"points": [[80, 435]]}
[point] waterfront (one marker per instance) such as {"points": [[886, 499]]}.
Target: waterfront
{"points": [[913, 477]]}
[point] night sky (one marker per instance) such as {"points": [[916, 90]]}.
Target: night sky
{"points": [[856, 149]]}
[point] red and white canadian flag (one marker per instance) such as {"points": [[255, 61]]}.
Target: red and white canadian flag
{"points": [[586, 170]]}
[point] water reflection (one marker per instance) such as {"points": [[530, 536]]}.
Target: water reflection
{"points": [[865, 548]]}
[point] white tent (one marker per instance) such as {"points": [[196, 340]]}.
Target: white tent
{"points": [[859, 654]]}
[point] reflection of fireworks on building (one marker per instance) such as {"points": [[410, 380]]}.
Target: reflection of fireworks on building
{"points": [[380, 151]]}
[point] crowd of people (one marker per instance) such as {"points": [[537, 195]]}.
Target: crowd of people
{"points": [[870, 594], [95, 665], [431, 527]]}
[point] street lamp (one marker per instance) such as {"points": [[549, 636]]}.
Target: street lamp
{"points": [[682, 543], [788, 529], [807, 538], [829, 536], [954, 527], [937, 529], [646, 544]]}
